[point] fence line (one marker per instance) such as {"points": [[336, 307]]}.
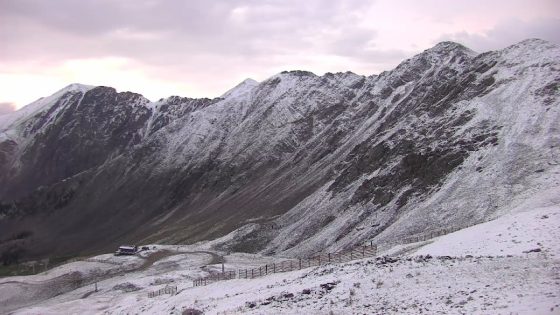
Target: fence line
{"points": [[426, 235], [291, 265], [166, 290], [367, 250]]}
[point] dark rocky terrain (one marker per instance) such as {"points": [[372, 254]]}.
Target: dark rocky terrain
{"points": [[295, 164]]}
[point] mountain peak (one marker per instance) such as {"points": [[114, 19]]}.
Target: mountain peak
{"points": [[532, 43], [78, 87], [243, 87], [298, 73], [448, 47]]}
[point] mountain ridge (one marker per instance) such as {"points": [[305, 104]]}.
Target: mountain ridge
{"points": [[314, 162]]}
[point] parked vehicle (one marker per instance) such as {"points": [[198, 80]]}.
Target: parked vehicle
{"points": [[126, 250]]}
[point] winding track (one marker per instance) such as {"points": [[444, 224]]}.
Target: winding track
{"points": [[39, 291]]}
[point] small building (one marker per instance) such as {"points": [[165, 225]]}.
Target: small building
{"points": [[126, 250]]}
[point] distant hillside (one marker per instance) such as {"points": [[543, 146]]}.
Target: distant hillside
{"points": [[298, 163]]}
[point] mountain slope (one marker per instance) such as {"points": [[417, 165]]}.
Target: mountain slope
{"points": [[301, 162]]}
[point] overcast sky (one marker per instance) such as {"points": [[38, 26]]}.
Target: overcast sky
{"points": [[203, 48]]}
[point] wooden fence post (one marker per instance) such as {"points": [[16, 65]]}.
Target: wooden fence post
{"points": [[252, 274], [266, 269], [329, 257], [273, 267], [300, 264], [291, 268]]}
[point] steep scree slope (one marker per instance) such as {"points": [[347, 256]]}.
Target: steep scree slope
{"points": [[298, 162]]}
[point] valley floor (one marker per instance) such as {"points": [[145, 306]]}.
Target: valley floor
{"points": [[507, 266]]}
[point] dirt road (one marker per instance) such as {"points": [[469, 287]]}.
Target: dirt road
{"points": [[38, 291]]}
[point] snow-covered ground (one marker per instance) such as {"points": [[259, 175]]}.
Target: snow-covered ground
{"points": [[516, 234], [508, 265]]}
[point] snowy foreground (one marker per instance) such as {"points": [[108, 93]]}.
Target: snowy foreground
{"points": [[509, 265]]}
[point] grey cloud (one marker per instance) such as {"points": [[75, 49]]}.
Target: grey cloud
{"points": [[359, 43], [509, 32], [211, 41], [6, 108], [176, 38], [72, 29], [94, 17], [348, 41], [450, 11]]}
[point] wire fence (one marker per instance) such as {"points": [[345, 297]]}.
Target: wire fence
{"points": [[369, 249], [226, 275], [424, 236], [166, 290], [291, 265]]}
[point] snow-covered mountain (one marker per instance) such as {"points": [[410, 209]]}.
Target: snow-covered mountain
{"points": [[295, 164]]}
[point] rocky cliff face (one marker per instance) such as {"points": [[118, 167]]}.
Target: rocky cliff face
{"points": [[295, 164]]}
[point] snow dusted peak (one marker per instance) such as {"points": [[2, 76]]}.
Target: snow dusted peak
{"points": [[530, 52], [71, 88], [250, 81], [448, 46], [342, 75], [445, 55], [289, 78], [531, 46], [242, 88], [532, 43], [42, 104], [448, 50], [77, 87], [347, 78], [126, 98], [297, 73]]}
